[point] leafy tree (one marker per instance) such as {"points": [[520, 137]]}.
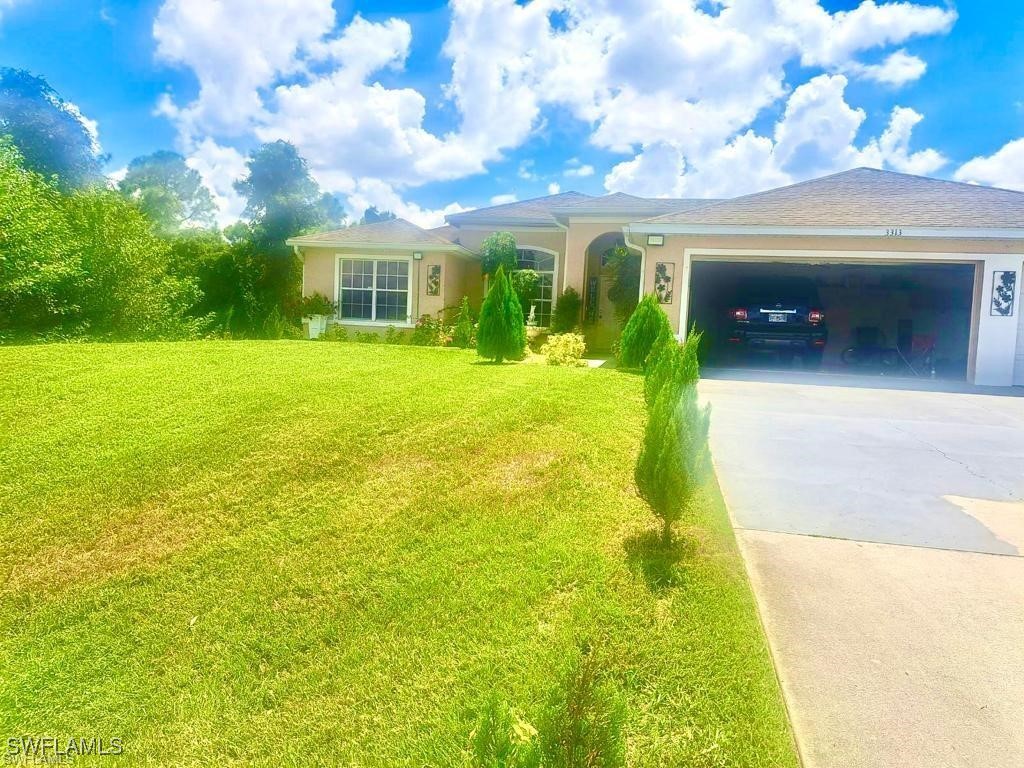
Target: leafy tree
{"points": [[674, 459], [170, 193], [646, 325], [502, 331], [38, 264], [526, 284], [566, 315], [499, 250], [50, 133], [372, 215], [283, 200], [623, 268], [463, 334]]}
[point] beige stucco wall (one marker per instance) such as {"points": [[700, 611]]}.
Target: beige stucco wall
{"points": [[993, 339], [460, 276]]}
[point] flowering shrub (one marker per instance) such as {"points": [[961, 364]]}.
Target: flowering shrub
{"points": [[564, 349], [431, 332]]}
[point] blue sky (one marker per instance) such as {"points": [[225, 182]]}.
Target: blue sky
{"points": [[426, 108]]}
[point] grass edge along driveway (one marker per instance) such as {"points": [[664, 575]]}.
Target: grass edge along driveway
{"points": [[315, 553]]}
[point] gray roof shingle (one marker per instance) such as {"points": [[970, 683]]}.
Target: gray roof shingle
{"points": [[621, 203], [392, 232], [864, 197], [533, 212]]}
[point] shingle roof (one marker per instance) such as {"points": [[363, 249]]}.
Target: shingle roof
{"points": [[536, 211], [391, 232], [864, 197], [620, 202]]}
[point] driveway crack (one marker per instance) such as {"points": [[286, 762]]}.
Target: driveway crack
{"points": [[1005, 489]]}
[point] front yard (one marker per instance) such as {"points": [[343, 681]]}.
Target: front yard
{"points": [[327, 553]]}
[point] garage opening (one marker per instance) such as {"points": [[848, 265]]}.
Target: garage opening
{"points": [[896, 319]]}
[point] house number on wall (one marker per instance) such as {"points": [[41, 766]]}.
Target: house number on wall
{"points": [[894, 232]]}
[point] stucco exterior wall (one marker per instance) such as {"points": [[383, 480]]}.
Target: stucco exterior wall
{"points": [[994, 341], [459, 275]]}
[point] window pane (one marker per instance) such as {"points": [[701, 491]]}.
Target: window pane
{"points": [[391, 305], [393, 275], [356, 305]]}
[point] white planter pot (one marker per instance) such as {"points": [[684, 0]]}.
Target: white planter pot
{"points": [[316, 324]]}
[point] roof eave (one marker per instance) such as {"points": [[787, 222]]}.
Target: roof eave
{"points": [[655, 227], [301, 242]]}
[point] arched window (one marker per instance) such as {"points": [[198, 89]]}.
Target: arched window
{"points": [[543, 264]]}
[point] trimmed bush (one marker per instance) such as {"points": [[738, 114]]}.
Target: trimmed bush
{"points": [[566, 315], [462, 335], [647, 325], [564, 349], [499, 250], [526, 284], [431, 332], [674, 459], [502, 332]]}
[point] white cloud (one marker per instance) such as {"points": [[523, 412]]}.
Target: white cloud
{"points": [[581, 172], [1003, 168], [898, 68], [816, 135], [220, 166], [661, 78], [554, 188], [502, 199]]}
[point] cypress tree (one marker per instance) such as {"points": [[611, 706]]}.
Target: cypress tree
{"points": [[647, 325], [674, 457], [502, 331]]}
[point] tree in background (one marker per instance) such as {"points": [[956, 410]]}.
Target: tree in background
{"points": [[499, 250], [623, 269], [674, 458], [647, 325], [372, 215], [169, 192], [50, 133], [463, 334], [502, 331]]}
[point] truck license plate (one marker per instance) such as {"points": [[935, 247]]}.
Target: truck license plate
{"points": [[776, 317]]}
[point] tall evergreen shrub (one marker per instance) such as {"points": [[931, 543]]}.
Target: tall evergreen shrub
{"points": [[502, 331], [646, 325]]}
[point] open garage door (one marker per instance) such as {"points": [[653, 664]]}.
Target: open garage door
{"points": [[899, 318]]}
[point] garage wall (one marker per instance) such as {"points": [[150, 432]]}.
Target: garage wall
{"points": [[1018, 368]]}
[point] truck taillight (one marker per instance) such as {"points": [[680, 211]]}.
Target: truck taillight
{"points": [[738, 314], [815, 316]]}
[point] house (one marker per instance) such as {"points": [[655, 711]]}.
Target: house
{"points": [[914, 257]]}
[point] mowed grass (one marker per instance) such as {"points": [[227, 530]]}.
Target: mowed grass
{"points": [[294, 553]]}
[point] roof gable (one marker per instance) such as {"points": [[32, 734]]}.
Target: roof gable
{"points": [[391, 232], [533, 212]]}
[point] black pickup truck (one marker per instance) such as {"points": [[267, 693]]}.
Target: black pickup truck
{"points": [[782, 315]]}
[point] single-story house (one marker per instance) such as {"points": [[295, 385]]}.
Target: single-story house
{"points": [[908, 255]]}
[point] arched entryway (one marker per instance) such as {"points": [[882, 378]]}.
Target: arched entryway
{"points": [[611, 287]]}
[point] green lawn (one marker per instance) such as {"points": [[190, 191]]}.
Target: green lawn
{"points": [[295, 553]]}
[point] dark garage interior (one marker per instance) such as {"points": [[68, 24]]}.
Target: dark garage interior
{"points": [[894, 319]]}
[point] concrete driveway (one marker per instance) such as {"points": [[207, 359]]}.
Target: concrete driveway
{"points": [[883, 532]]}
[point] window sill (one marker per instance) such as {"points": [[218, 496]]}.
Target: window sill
{"points": [[374, 323]]}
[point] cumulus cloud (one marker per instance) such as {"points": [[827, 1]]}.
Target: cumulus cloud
{"points": [[554, 188], [580, 172], [660, 79], [815, 135], [1003, 168]]}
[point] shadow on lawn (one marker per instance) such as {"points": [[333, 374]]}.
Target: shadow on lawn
{"points": [[657, 560]]}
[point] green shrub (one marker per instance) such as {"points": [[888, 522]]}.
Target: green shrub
{"points": [[566, 315], [526, 284], [499, 250], [646, 325], [394, 336], [431, 332], [674, 459], [503, 740], [582, 725], [335, 332], [623, 270], [366, 337], [502, 332], [317, 304], [463, 335], [564, 349]]}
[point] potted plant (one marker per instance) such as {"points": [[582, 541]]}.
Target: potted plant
{"points": [[317, 310]]}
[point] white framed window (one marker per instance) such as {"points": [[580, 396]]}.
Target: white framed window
{"points": [[374, 290], [544, 264]]}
